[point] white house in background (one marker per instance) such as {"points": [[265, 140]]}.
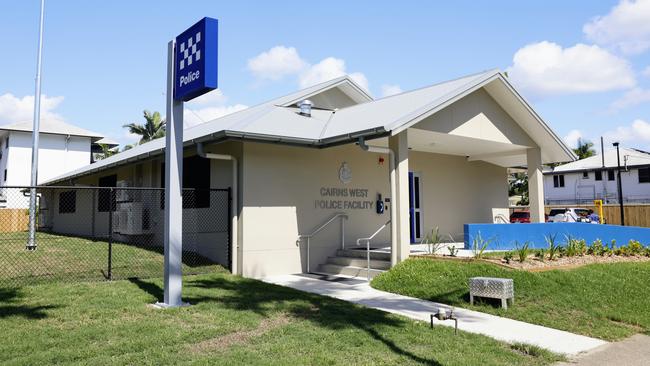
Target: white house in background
{"points": [[62, 148], [593, 178]]}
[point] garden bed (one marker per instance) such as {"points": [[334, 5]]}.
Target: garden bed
{"points": [[535, 264]]}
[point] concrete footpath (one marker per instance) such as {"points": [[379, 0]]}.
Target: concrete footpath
{"points": [[633, 351], [508, 330]]}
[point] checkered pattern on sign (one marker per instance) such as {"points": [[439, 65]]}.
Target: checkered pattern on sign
{"points": [[189, 51]]}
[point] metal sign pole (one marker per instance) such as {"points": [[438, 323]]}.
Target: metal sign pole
{"points": [[31, 241], [173, 186]]}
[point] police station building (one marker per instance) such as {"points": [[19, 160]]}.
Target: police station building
{"points": [[321, 169]]}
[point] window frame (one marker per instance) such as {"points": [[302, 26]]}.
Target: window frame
{"points": [[68, 202], [646, 175], [558, 181]]}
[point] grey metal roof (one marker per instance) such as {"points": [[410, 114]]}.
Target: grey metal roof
{"points": [[278, 121], [633, 157], [52, 127]]}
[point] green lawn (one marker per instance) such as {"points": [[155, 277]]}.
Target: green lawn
{"points": [[70, 258], [232, 321], [608, 301]]}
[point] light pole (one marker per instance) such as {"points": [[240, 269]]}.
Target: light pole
{"points": [[31, 241], [620, 185]]}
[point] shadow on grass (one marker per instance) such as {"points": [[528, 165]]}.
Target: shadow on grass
{"points": [[9, 308], [266, 300]]}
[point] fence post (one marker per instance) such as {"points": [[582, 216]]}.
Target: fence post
{"points": [[230, 229], [110, 235]]}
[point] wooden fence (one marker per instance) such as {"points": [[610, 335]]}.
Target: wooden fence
{"points": [[13, 219], [635, 214]]}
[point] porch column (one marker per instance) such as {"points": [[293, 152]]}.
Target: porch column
{"points": [[401, 249], [535, 184]]}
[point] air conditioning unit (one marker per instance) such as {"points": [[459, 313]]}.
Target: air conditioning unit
{"points": [[131, 219], [123, 195]]}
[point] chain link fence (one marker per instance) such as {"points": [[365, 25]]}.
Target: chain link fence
{"points": [[97, 233]]}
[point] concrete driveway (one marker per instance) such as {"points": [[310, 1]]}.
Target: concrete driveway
{"points": [[633, 351]]}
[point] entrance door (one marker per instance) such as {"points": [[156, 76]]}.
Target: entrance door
{"points": [[415, 207]]}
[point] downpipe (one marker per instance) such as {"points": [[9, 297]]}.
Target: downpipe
{"points": [[393, 193], [234, 208]]}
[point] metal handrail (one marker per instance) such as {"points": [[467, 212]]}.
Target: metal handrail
{"points": [[367, 240], [343, 217], [502, 218]]}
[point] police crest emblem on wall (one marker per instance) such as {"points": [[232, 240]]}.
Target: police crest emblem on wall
{"points": [[345, 173]]}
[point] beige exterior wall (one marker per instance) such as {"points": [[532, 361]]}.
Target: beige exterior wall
{"points": [[455, 191], [281, 185]]}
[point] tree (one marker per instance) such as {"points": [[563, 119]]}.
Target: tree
{"points": [[584, 149], [518, 186], [153, 128], [106, 152]]}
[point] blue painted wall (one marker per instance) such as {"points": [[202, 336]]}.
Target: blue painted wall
{"points": [[503, 236]]}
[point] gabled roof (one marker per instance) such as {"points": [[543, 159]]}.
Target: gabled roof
{"points": [[629, 157], [358, 115], [54, 127]]}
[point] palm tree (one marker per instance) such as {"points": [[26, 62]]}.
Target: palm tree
{"points": [[584, 149], [153, 128], [106, 152]]}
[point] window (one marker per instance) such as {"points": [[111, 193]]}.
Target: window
{"points": [[558, 181], [106, 198], [585, 175], [68, 202], [610, 175], [644, 175], [598, 175], [196, 182]]}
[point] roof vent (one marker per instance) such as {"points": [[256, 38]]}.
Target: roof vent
{"points": [[305, 107]]}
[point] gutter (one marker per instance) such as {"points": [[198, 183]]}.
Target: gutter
{"points": [[234, 207], [393, 194]]}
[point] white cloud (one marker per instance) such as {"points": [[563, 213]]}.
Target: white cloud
{"points": [[631, 98], [646, 71], [636, 133], [14, 109], [213, 97], [276, 63], [626, 27], [328, 69], [546, 68], [280, 61], [572, 138], [207, 107], [388, 90]]}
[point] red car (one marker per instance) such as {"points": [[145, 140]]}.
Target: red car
{"points": [[520, 217], [523, 217]]}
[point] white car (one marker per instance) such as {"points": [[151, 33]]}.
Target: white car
{"points": [[572, 214]]}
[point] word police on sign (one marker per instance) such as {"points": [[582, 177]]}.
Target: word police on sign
{"points": [[196, 60]]}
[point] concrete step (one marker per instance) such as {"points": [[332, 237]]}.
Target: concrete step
{"points": [[359, 253], [347, 270], [359, 262]]}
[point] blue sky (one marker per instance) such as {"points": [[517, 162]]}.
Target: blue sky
{"points": [[584, 65]]}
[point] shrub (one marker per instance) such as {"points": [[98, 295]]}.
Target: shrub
{"points": [[540, 254], [646, 251], [508, 257], [553, 248], [433, 241], [522, 251], [571, 248], [634, 247], [596, 248], [479, 245], [582, 247], [453, 251]]}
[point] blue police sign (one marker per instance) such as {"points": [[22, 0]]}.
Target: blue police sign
{"points": [[196, 60]]}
